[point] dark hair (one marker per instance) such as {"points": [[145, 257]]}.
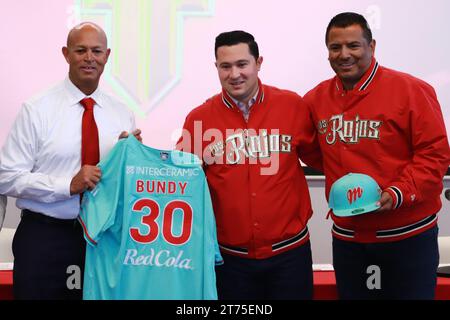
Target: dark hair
{"points": [[232, 38], [346, 19]]}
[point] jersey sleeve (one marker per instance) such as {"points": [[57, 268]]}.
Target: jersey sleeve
{"points": [[429, 147], [308, 148], [99, 206], [211, 250], [212, 239]]}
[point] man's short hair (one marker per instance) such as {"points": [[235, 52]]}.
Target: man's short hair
{"points": [[346, 19], [232, 38]]}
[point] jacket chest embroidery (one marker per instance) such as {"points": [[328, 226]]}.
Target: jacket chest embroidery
{"points": [[250, 144], [349, 131]]}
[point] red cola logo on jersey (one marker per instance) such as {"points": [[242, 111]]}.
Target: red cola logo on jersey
{"points": [[348, 130], [354, 194], [158, 258]]}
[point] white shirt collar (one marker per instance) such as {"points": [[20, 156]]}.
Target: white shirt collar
{"points": [[75, 95]]}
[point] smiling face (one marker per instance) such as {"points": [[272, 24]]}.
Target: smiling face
{"points": [[86, 53], [238, 71], [349, 53]]}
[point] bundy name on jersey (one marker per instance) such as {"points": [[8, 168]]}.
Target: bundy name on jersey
{"points": [[161, 185], [247, 144], [348, 130], [162, 217]]}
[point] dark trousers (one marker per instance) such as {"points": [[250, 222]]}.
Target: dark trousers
{"points": [[398, 270], [47, 253], [287, 276]]}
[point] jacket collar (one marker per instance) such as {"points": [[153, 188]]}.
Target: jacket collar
{"points": [[366, 80], [230, 104]]}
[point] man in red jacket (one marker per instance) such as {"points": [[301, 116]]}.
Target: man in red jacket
{"points": [[250, 137], [388, 125]]}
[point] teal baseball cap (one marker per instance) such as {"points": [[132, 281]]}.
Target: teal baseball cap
{"points": [[354, 194]]}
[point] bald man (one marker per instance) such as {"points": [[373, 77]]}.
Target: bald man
{"points": [[49, 159]]}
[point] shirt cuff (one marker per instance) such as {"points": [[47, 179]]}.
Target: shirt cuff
{"points": [[62, 188]]}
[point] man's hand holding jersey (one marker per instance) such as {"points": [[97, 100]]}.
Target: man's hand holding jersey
{"points": [[88, 176], [136, 133], [86, 179]]}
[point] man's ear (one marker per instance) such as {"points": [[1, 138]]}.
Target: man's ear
{"points": [[372, 46], [108, 52], [65, 52], [259, 62]]}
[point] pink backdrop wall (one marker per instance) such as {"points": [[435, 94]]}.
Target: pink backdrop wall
{"points": [[412, 36]]}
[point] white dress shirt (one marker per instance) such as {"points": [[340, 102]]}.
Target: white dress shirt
{"points": [[43, 150]]}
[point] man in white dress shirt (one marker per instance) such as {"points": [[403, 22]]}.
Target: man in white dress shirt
{"points": [[41, 165]]}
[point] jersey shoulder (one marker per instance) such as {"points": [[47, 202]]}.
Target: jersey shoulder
{"points": [[205, 108], [404, 80], [319, 90], [278, 93]]}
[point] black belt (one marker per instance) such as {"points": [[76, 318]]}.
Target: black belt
{"points": [[28, 214]]}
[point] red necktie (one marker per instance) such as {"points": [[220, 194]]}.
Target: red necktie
{"points": [[90, 153]]}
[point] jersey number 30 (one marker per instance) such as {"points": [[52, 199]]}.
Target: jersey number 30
{"points": [[149, 220]]}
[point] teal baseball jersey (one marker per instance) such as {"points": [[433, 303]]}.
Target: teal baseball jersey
{"points": [[150, 227]]}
